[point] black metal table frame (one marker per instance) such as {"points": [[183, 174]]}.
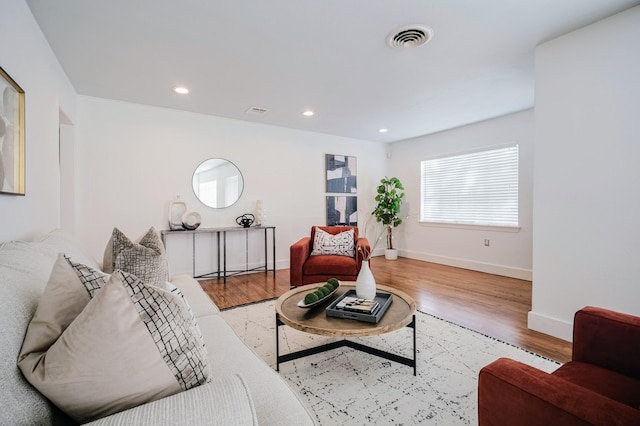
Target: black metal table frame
{"points": [[224, 273], [348, 343]]}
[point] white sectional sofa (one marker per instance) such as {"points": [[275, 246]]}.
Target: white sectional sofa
{"points": [[244, 390]]}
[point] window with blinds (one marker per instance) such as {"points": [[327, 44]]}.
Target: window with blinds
{"points": [[475, 188]]}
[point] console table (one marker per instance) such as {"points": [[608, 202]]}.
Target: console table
{"points": [[222, 232]]}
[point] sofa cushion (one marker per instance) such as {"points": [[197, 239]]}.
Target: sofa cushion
{"points": [[275, 402], [608, 383], [24, 270], [131, 344], [341, 244], [330, 265], [224, 401], [59, 241], [200, 302], [145, 258]]}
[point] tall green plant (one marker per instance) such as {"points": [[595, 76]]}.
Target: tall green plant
{"points": [[387, 211]]}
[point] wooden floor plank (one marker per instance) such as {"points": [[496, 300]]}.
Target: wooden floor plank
{"points": [[490, 304]]}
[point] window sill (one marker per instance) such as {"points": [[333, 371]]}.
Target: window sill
{"points": [[472, 226]]}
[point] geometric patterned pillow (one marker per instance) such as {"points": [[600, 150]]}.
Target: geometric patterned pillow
{"points": [[173, 289], [91, 279], [340, 244], [131, 344], [172, 326], [145, 258]]}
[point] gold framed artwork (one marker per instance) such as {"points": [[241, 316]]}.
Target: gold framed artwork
{"points": [[12, 149]]}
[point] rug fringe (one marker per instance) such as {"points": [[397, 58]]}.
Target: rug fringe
{"points": [[491, 337], [244, 305]]}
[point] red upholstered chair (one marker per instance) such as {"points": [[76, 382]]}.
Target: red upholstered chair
{"points": [[307, 269], [599, 386]]}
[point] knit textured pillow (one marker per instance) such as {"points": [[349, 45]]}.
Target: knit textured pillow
{"points": [[341, 244], [131, 344], [145, 258]]}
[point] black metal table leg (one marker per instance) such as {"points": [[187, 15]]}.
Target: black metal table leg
{"points": [[350, 344], [278, 324]]}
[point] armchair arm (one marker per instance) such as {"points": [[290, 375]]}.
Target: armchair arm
{"points": [[607, 339], [298, 254], [510, 392], [362, 246]]}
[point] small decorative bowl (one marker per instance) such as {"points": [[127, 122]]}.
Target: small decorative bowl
{"points": [[191, 220]]}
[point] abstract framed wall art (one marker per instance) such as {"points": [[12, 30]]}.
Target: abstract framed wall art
{"points": [[12, 149], [342, 210], [341, 174]]}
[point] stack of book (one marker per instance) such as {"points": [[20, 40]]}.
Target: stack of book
{"points": [[350, 306], [363, 306]]}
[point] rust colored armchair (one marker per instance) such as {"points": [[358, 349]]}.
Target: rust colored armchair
{"points": [[307, 269], [599, 386]]}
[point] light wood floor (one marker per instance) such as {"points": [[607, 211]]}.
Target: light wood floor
{"points": [[494, 305]]}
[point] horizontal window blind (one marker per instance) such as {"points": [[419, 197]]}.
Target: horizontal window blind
{"points": [[479, 188]]}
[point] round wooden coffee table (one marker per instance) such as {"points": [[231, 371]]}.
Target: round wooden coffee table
{"points": [[401, 313]]}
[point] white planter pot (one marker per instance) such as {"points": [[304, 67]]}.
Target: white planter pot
{"points": [[391, 254]]}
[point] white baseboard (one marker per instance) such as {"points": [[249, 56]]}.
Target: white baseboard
{"points": [[379, 252], [551, 326], [506, 271]]}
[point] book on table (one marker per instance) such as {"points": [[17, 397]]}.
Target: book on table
{"points": [[349, 306], [355, 304]]}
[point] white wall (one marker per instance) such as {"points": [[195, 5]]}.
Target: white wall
{"points": [[134, 159], [587, 173], [509, 253], [26, 56]]}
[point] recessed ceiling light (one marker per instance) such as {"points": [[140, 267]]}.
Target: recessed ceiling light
{"points": [[383, 130], [181, 90], [308, 113]]}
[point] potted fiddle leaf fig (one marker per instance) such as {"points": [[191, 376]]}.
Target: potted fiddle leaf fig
{"points": [[389, 197]]}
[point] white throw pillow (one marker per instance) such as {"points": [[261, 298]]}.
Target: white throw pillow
{"points": [[70, 287], [131, 344], [341, 244]]}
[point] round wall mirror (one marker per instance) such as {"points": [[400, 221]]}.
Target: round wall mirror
{"points": [[217, 183]]}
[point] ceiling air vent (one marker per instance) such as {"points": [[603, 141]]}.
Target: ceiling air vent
{"points": [[409, 36], [257, 111]]}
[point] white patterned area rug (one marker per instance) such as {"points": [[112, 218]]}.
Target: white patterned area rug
{"points": [[345, 386]]}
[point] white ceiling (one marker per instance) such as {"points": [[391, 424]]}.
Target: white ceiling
{"points": [[330, 56]]}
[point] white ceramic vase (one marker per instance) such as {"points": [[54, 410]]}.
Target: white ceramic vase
{"points": [[365, 283], [260, 213], [177, 208]]}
